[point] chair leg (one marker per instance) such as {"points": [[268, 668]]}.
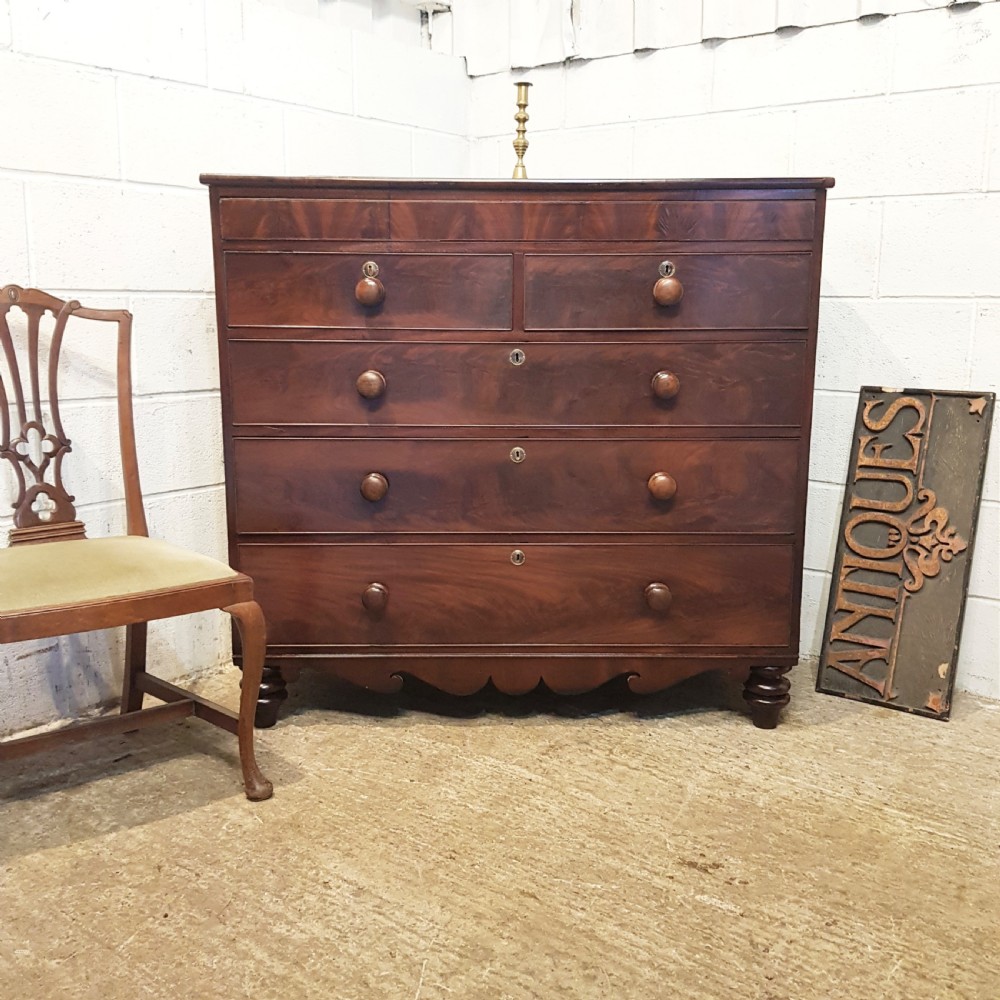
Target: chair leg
{"points": [[250, 621], [135, 663]]}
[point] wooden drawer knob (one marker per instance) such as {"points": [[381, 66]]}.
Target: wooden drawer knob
{"points": [[369, 291], [375, 597], [374, 486], [666, 385], [658, 597], [370, 384], [668, 291], [662, 485]]}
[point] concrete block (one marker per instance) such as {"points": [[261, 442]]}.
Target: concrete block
{"points": [[396, 21], [807, 13], [439, 155], [984, 580], [5, 34], [812, 612], [59, 119], [13, 225], [171, 133], [946, 48], [493, 101], [320, 143], [894, 343], [603, 28], [482, 36], [984, 374], [174, 344], [224, 44], [442, 32], [179, 439], [94, 235], [867, 8], [162, 40], [941, 246], [822, 525], [832, 430], [351, 14], [66, 677], [410, 86], [822, 64], [665, 84], [978, 663], [580, 154], [993, 147], [318, 70], [716, 145], [852, 236], [662, 24], [914, 144], [541, 32], [737, 18], [486, 156]]}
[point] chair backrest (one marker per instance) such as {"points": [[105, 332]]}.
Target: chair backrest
{"points": [[32, 438]]}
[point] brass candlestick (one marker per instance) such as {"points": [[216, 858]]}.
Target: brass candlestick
{"points": [[520, 143]]}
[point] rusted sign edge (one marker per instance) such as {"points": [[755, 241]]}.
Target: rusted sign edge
{"points": [[990, 400]]}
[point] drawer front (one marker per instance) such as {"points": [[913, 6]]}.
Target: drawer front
{"points": [[422, 291], [599, 221], [303, 219], [576, 595], [433, 219], [615, 291], [306, 485], [450, 385]]}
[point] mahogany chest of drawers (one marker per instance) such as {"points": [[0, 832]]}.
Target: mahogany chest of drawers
{"points": [[520, 431]]}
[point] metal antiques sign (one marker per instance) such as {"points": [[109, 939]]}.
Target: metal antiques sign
{"points": [[905, 548]]}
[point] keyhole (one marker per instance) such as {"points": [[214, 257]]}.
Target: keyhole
{"points": [[517, 356], [517, 557], [517, 454], [44, 506]]}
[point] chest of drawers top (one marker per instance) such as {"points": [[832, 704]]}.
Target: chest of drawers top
{"points": [[309, 208]]}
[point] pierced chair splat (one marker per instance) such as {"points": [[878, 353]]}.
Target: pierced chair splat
{"points": [[54, 580]]}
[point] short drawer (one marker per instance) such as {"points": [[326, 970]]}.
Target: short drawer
{"points": [[615, 291], [483, 595], [422, 291], [447, 385], [512, 485]]}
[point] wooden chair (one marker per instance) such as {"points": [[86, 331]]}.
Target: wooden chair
{"points": [[54, 580]]}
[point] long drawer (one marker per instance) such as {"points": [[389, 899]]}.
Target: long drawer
{"points": [[615, 291], [314, 485], [422, 291], [432, 219], [714, 384], [450, 594]]}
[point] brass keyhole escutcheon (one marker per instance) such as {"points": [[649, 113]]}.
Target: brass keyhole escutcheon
{"points": [[518, 454], [667, 269], [517, 356], [517, 557], [370, 269]]}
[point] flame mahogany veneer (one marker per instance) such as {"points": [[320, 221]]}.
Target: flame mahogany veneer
{"points": [[464, 442]]}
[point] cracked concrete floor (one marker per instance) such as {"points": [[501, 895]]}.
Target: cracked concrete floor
{"points": [[429, 848]]}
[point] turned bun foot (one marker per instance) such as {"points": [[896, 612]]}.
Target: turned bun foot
{"points": [[273, 691], [766, 692]]}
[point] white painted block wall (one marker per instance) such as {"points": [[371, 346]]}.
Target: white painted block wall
{"points": [[904, 111], [112, 109]]}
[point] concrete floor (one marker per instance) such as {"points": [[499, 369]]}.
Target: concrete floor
{"points": [[601, 847]]}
